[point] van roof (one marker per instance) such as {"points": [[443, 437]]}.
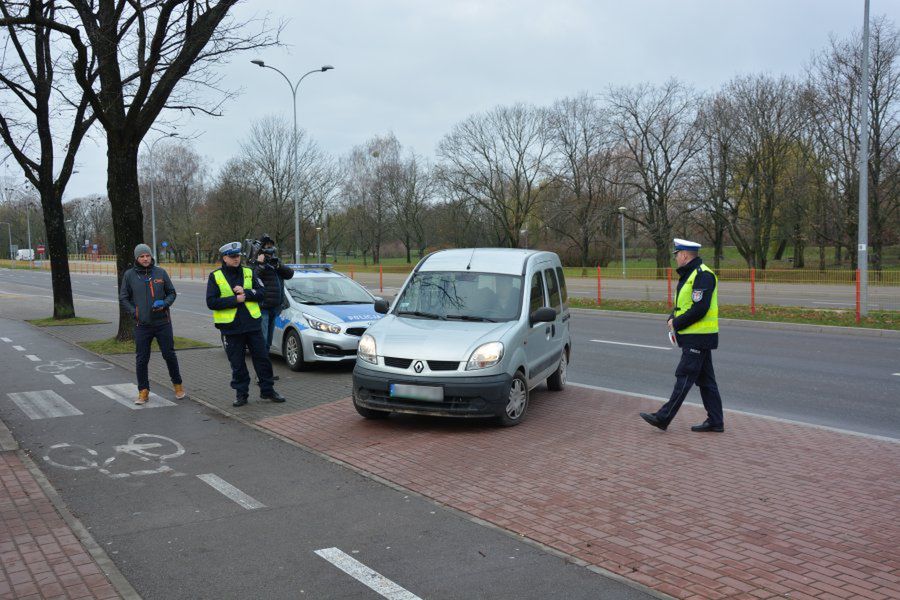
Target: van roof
{"points": [[508, 261]]}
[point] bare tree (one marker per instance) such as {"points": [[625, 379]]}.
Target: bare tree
{"points": [[656, 127], [410, 187], [35, 109], [496, 160], [232, 206], [366, 188]]}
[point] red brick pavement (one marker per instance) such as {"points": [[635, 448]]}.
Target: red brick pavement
{"points": [[767, 509], [40, 557]]}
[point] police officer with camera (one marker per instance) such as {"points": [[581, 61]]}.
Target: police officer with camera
{"points": [[233, 295], [269, 270]]}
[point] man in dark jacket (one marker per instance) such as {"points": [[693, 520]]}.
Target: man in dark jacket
{"points": [[147, 293], [271, 273], [695, 323], [233, 295]]}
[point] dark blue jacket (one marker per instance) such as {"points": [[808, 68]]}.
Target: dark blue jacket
{"points": [[706, 283], [141, 286], [243, 322]]}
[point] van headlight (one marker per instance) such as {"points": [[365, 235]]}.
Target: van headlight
{"points": [[321, 325], [367, 350], [486, 355]]}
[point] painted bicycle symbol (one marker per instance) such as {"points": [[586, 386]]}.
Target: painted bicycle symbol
{"points": [[146, 447], [55, 367]]}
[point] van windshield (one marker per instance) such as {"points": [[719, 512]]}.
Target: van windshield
{"points": [[462, 296]]}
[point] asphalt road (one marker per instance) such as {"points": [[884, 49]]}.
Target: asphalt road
{"points": [[190, 504], [833, 379]]}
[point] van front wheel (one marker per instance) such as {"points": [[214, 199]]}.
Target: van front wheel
{"points": [[516, 403]]}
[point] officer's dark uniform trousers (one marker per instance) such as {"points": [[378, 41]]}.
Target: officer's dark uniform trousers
{"points": [[695, 367]]}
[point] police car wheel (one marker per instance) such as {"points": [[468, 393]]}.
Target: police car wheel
{"points": [[293, 351]]}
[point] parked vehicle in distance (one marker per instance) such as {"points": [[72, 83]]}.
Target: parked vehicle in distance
{"points": [[323, 315], [470, 334], [25, 254]]}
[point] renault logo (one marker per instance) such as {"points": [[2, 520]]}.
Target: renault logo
{"points": [[418, 367]]}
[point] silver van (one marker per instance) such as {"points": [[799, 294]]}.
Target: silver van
{"points": [[470, 334]]}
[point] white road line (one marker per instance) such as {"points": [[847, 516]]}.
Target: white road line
{"points": [[64, 379], [635, 345], [19, 348], [231, 492], [7, 340], [834, 303], [44, 404], [365, 575], [32, 358], [897, 374], [871, 436], [126, 393]]}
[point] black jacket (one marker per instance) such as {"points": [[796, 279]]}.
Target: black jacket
{"points": [[704, 282], [272, 278], [141, 286], [243, 322]]}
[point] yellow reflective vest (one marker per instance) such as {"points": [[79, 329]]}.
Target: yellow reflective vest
{"points": [[226, 315], [710, 321]]}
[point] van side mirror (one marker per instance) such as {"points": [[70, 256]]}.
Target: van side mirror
{"points": [[544, 314], [381, 306]]}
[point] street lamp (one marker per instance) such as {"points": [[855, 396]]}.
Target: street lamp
{"points": [[524, 232], [319, 245], [622, 210], [152, 203], [294, 87], [197, 236], [9, 231]]}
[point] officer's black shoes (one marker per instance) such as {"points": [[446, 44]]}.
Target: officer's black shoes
{"points": [[706, 426], [654, 420], [240, 401], [275, 377], [274, 397]]}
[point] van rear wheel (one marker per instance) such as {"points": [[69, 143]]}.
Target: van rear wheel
{"points": [[517, 402], [557, 381]]}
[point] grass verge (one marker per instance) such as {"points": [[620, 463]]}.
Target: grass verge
{"points": [[51, 322], [783, 314], [114, 346]]}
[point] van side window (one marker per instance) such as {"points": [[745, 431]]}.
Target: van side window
{"points": [[562, 286], [537, 293], [553, 289]]}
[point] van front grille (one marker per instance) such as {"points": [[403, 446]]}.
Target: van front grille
{"points": [[397, 363]]}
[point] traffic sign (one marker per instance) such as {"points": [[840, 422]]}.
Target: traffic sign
{"points": [[41, 249], [164, 244]]}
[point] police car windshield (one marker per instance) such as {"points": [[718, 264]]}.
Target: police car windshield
{"points": [[326, 290], [463, 296]]}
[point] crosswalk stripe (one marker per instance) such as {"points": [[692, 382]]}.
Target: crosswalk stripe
{"points": [[126, 393], [32, 358], [231, 492], [19, 348], [7, 340], [43, 404], [365, 575], [64, 379]]}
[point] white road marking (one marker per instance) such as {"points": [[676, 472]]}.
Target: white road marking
{"points": [[365, 575], [231, 492], [7, 340], [635, 345], [32, 358], [896, 374], [834, 303], [44, 404], [64, 379], [126, 393], [19, 348], [881, 438]]}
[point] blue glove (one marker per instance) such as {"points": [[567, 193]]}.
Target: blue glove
{"points": [[159, 305]]}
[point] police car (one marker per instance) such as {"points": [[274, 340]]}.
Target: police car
{"points": [[324, 313]]}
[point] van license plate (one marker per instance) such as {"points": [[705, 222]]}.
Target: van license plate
{"points": [[428, 393]]}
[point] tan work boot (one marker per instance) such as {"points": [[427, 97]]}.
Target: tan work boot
{"points": [[179, 391], [143, 396]]}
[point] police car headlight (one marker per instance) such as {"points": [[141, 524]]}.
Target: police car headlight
{"points": [[367, 350], [321, 325], [486, 355]]}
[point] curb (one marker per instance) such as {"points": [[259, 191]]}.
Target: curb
{"points": [[106, 564], [777, 325]]}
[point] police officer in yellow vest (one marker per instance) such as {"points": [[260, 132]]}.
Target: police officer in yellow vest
{"points": [[695, 322], [233, 296]]}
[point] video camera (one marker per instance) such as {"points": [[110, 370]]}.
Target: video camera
{"points": [[255, 248]]}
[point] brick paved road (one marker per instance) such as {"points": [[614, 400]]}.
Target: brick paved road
{"points": [[766, 509]]}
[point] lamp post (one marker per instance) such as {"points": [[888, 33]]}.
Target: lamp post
{"points": [[524, 233], [319, 245], [622, 210], [9, 232], [197, 236], [862, 262], [152, 203], [294, 87]]}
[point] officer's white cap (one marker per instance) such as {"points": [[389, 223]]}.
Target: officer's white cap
{"points": [[231, 248], [688, 245]]}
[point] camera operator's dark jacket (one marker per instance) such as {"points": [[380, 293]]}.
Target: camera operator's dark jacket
{"points": [[272, 276], [141, 286]]}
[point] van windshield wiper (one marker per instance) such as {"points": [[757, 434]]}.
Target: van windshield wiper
{"points": [[471, 318], [424, 315]]}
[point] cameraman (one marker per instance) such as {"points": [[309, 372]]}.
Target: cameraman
{"points": [[269, 270]]}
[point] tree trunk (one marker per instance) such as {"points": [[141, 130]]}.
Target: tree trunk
{"points": [[127, 216], [663, 258], [57, 247], [779, 251], [408, 255]]}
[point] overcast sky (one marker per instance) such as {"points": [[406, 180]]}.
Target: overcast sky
{"points": [[415, 67]]}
